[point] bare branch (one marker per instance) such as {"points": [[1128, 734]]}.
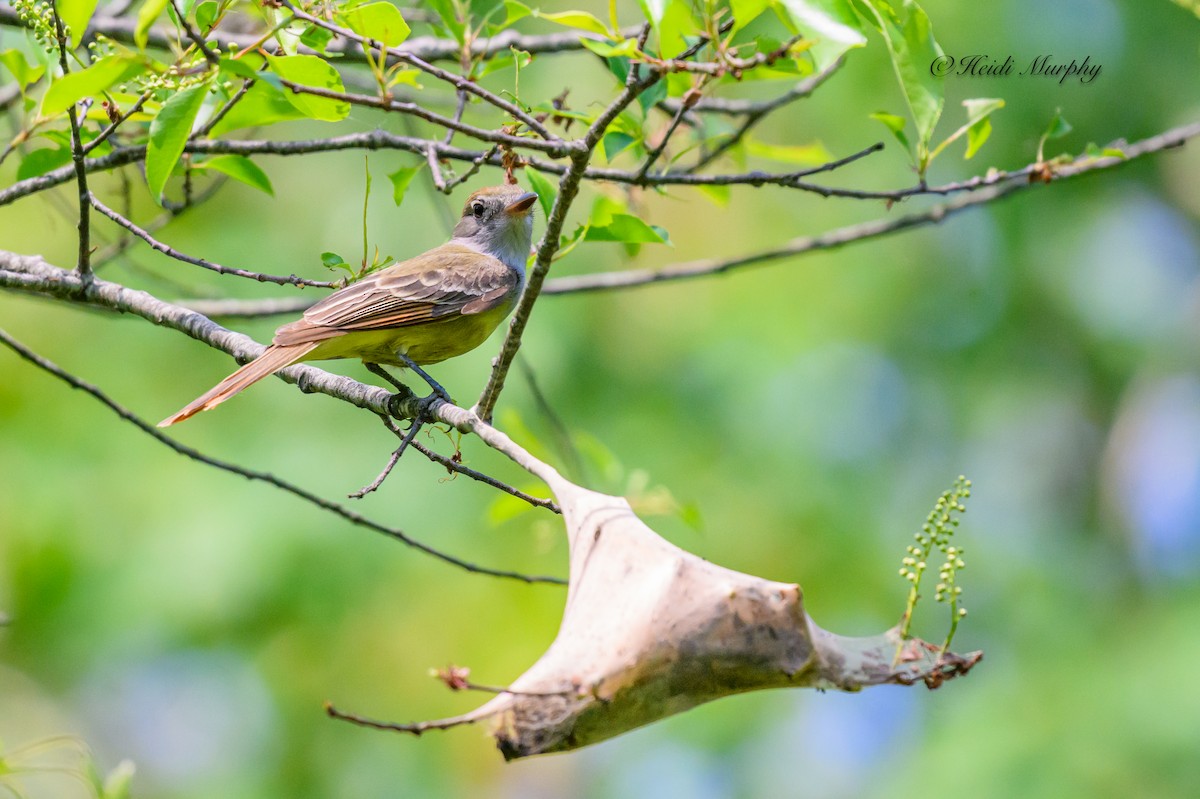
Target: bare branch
{"points": [[459, 82], [984, 192], [289, 280], [83, 263], [428, 48], [194, 35], [116, 123], [556, 148], [251, 474]]}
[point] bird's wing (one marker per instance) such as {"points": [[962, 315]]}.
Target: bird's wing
{"points": [[448, 280]]}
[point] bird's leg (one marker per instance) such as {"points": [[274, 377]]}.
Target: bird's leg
{"points": [[376, 369], [435, 385]]}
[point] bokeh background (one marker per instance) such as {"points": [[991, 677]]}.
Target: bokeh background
{"points": [[795, 421]]}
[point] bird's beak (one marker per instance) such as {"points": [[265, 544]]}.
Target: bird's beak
{"points": [[522, 204]]}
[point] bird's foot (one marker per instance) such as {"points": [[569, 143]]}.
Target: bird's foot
{"points": [[440, 392]]}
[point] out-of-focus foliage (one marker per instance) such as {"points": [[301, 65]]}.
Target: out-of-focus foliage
{"points": [[792, 421]]}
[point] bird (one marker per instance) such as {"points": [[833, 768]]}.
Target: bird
{"points": [[437, 305]]}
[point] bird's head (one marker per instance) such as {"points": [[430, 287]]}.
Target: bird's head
{"points": [[498, 221]]}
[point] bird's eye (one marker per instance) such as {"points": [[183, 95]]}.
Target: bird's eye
{"points": [[477, 210]]}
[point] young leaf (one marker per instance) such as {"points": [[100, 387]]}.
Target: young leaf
{"points": [[206, 14], [379, 21], [148, 13], [978, 126], [605, 50], [813, 154], [832, 24], [168, 133], [262, 105], [75, 14], [1057, 128], [979, 123], [543, 187], [241, 168], [746, 11], [69, 89], [448, 15], [910, 41], [25, 72], [39, 162], [653, 11], [627, 229], [400, 180], [580, 20], [896, 125], [332, 259], [311, 70]]}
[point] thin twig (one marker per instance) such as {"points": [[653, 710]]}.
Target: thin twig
{"points": [[208, 126], [116, 123], [428, 48], [82, 264], [194, 35], [460, 82], [413, 429], [555, 149], [756, 112], [289, 280], [251, 474], [798, 246]]}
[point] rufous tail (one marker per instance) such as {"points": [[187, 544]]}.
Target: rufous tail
{"points": [[270, 362]]}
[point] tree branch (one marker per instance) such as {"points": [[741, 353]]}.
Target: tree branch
{"points": [[251, 474], [428, 48], [289, 280]]}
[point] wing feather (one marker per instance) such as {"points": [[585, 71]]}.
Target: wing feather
{"points": [[448, 280]]}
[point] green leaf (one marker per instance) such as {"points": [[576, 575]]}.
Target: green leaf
{"points": [[379, 21], [25, 72], [978, 127], [400, 180], [69, 89], [261, 105], [746, 11], [628, 229], [895, 124], [448, 15], [148, 13], [206, 14], [75, 14], [910, 41], [39, 162], [311, 70], [979, 123], [241, 168], [813, 154], [168, 133], [718, 194], [317, 38], [653, 10], [1057, 128], [514, 11], [1093, 150], [580, 20], [832, 24], [543, 187], [332, 260], [605, 50]]}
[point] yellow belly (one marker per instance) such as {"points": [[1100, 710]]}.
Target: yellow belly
{"points": [[424, 343]]}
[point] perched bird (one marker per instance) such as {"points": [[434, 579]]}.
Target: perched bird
{"points": [[435, 306]]}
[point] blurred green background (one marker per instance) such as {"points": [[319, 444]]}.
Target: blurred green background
{"points": [[802, 417]]}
